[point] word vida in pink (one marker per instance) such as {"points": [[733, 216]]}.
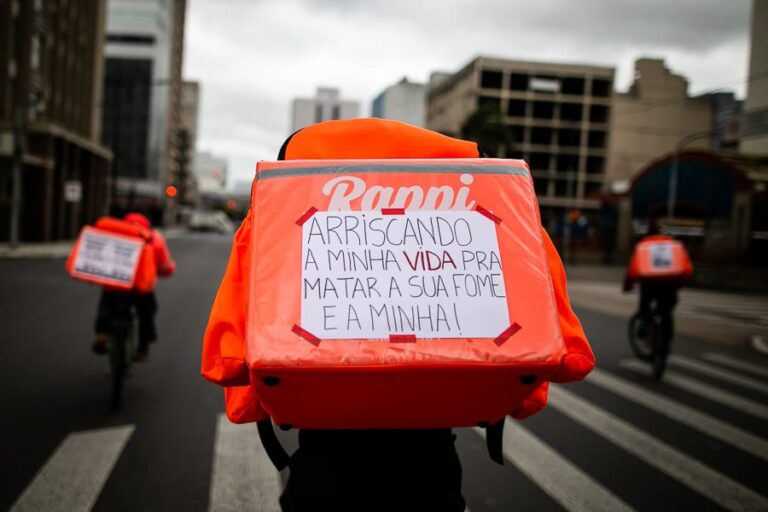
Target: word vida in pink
{"points": [[352, 193], [428, 260]]}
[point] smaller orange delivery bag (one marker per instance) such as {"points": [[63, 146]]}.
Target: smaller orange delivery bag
{"points": [[115, 254]]}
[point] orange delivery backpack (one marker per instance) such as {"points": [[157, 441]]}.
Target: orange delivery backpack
{"points": [[387, 276], [115, 254], [662, 259]]}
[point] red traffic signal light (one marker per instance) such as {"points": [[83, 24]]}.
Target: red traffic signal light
{"points": [[170, 191]]}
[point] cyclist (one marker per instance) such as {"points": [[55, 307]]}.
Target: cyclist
{"points": [[658, 290], [144, 303]]}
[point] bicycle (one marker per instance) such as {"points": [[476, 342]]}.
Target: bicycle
{"points": [[122, 345], [648, 340]]}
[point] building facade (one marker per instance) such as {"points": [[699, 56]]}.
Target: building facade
{"points": [[142, 100], [754, 126], [186, 181], [404, 101], [558, 116], [653, 117], [51, 68], [325, 106], [210, 172]]}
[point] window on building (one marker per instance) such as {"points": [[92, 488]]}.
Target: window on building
{"points": [[539, 161], [601, 88], [490, 103], [516, 108], [545, 84], [595, 165], [336, 112], [596, 139], [318, 113], [567, 163], [565, 189], [541, 136], [573, 86], [598, 114], [137, 39], [571, 111], [569, 137], [541, 186], [518, 82], [592, 190], [518, 133], [490, 79], [543, 110]]}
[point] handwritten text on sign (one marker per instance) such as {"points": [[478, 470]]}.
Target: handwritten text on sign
{"points": [[432, 274], [107, 257]]}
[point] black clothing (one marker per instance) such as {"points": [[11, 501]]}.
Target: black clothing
{"points": [[374, 470], [662, 297], [145, 305]]}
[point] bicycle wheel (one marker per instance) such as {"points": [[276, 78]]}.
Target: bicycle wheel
{"points": [[661, 349], [640, 339]]}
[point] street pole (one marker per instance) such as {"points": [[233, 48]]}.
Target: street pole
{"points": [[18, 153], [675, 169]]}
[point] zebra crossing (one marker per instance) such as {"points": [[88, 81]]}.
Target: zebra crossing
{"points": [[727, 309], [242, 478]]}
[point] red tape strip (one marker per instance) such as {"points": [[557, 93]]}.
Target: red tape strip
{"points": [[508, 333], [495, 218], [393, 211], [306, 335], [402, 338], [306, 216]]}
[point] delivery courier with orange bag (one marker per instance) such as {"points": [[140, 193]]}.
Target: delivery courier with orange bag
{"points": [[387, 277]]}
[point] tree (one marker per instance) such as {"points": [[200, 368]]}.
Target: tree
{"points": [[486, 126]]}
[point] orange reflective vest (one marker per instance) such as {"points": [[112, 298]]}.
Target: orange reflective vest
{"points": [[660, 259], [260, 344], [115, 254]]}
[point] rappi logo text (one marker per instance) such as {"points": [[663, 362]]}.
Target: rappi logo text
{"points": [[349, 193]]}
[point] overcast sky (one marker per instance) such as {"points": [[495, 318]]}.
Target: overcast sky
{"points": [[252, 57]]}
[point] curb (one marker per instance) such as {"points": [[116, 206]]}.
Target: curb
{"points": [[33, 251]]}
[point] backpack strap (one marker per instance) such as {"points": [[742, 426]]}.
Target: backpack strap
{"points": [[272, 446], [494, 440]]}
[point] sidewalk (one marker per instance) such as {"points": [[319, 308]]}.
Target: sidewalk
{"points": [[720, 317], [59, 249]]}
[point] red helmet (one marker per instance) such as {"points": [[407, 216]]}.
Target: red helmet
{"points": [[138, 219]]}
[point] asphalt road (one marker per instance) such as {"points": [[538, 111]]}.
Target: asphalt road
{"points": [[619, 441]]}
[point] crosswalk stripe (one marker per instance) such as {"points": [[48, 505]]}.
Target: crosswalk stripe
{"points": [[736, 363], [243, 478], [707, 391], [573, 489], [713, 371], [681, 413], [72, 478], [687, 470]]}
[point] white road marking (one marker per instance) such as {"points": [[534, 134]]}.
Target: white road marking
{"points": [[736, 363], [681, 413], [72, 478], [573, 489], [714, 371], [687, 470], [712, 393], [243, 478]]}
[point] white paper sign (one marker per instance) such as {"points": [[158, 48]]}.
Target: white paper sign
{"points": [[107, 257], [425, 273], [660, 255]]}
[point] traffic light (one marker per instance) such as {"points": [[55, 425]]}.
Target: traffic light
{"points": [[170, 191]]}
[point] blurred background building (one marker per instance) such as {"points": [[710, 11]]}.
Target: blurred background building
{"points": [[555, 116], [187, 142], [142, 101], [755, 121], [404, 101], [51, 60], [325, 106]]}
